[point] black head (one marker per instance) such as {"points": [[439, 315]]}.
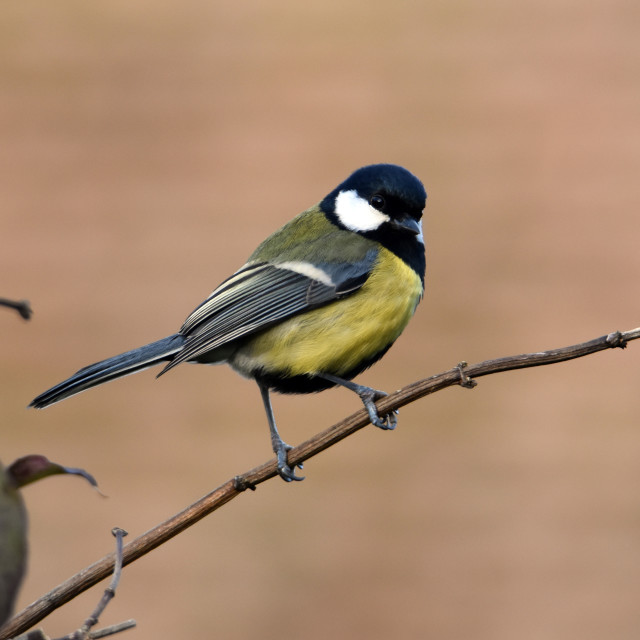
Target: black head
{"points": [[383, 202], [377, 195]]}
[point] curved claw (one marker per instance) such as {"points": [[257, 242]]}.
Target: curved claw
{"points": [[368, 396], [284, 470], [387, 422], [288, 474]]}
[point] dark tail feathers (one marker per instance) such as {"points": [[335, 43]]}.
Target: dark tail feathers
{"points": [[110, 369]]}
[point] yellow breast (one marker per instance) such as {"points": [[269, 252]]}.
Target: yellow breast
{"points": [[338, 337]]}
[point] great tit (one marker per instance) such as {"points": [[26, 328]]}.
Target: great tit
{"points": [[317, 303]]}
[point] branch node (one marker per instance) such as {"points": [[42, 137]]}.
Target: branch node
{"points": [[616, 339], [240, 484], [465, 380]]}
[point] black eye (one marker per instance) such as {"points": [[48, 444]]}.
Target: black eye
{"points": [[377, 202]]}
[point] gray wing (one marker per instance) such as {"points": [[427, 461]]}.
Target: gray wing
{"points": [[261, 294]]}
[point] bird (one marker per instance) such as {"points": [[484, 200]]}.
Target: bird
{"points": [[319, 301]]}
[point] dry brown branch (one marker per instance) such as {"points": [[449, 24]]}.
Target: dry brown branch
{"points": [[462, 374]]}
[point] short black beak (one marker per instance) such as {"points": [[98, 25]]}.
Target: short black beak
{"points": [[407, 224]]}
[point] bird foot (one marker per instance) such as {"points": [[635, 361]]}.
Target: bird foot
{"points": [[369, 396], [287, 473]]}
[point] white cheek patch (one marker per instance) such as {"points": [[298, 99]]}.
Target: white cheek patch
{"points": [[420, 236], [357, 214]]}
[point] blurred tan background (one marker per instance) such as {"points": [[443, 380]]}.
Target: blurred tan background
{"points": [[147, 147]]}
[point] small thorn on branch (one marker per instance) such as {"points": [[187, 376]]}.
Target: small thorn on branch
{"points": [[465, 380], [242, 484]]}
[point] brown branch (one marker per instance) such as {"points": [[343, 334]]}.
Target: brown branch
{"points": [[462, 374]]}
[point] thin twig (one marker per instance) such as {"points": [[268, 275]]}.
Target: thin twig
{"points": [[462, 374], [110, 591], [39, 634], [84, 632], [112, 629], [21, 306]]}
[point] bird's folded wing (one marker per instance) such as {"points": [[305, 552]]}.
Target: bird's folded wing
{"points": [[261, 294]]}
